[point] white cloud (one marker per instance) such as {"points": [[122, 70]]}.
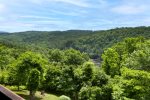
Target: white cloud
{"points": [[69, 13], [101, 21], [103, 2], [129, 9], [80, 3], [146, 20], [49, 22], [2, 8], [11, 26], [36, 17], [16, 24]]}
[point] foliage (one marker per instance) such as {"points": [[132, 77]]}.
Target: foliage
{"points": [[87, 71], [127, 83], [123, 74], [56, 55], [139, 59], [91, 42], [6, 57], [90, 93], [74, 57], [52, 78], [127, 53], [137, 84], [24, 64], [110, 62], [95, 43], [33, 80], [94, 93], [99, 78]]}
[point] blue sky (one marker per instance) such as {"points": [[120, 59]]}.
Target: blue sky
{"points": [[49, 15]]}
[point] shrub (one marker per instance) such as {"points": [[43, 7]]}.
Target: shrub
{"points": [[63, 97]]}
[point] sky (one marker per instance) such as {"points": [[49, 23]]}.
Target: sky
{"points": [[50, 15]]}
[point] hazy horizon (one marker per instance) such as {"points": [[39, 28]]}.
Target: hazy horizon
{"points": [[70, 30]]}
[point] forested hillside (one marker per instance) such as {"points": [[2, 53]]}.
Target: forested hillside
{"points": [[44, 39], [123, 74], [95, 43], [91, 42], [59, 63]]}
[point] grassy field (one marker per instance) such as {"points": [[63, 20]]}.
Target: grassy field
{"points": [[38, 96], [25, 94]]}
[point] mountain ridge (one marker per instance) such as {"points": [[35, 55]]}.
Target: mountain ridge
{"points": [[91, 42]]}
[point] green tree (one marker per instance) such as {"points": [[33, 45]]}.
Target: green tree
{"points": [[25, 63], [52, 78], [136, 84], [91, 93], [92, 81], [139, 59], [5, 57], [33, 82], [131, 85], [56, 55], [99, 78], [74, 57], [110, 62], [87, 72], [114, 57], [131, 43]]}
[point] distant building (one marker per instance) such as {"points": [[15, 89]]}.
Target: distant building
{"points": [[6, 94]]}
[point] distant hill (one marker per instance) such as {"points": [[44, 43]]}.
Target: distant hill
{"points": [[2, 32], [52, 39], [95, 43], [92, 42]]}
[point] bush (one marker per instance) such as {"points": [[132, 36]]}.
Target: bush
{"points": [[91, 93], [63, 97], [3, 79]]}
